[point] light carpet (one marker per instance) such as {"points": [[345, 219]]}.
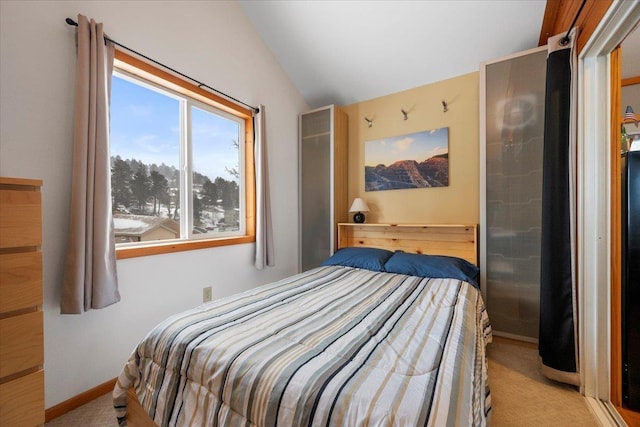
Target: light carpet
{"points": [[522, 397]]}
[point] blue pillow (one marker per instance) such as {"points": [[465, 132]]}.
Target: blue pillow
{"points": [[368, 258], [436, 266]]}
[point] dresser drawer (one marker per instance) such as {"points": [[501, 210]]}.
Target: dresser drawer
{"points": [[20, 280], [20, 218], [22, 401], [22, 343]]}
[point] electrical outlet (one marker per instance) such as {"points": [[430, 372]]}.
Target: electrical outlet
{"points": [[206, 294]]}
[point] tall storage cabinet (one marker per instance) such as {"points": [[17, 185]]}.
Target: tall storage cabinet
{"points": [[511, 190], [323, 182], [21, 319]]}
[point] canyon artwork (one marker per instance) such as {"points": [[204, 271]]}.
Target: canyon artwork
{"points": [[419, 160]]}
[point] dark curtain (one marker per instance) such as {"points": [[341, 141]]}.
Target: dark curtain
{"points": [[557, 339]]}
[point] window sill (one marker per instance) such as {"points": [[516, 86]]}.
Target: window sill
{"points": [[165, 248]]}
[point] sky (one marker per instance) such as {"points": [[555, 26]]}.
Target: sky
{"points": [[415, 146], [145, 125]]}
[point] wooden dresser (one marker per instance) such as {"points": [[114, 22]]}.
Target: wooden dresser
{"points": [[21, 318]]}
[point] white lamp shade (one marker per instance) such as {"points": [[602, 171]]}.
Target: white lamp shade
{"points": [[359, 205]]}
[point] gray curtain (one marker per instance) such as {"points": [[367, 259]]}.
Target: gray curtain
{"points": [[558, 338], [90, 279], [264, 234]]}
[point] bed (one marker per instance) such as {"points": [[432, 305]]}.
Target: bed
{"points": [[376, 336]]}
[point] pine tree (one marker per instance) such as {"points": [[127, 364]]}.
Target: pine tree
{"points": [[197, 210], [159, 189], [120, 183], [209, 193], [141, 187]]}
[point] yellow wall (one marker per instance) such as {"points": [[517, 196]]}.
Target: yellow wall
{"points": [[456, 204]]}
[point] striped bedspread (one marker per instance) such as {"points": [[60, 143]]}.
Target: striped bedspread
{"points": [[333, 346]]}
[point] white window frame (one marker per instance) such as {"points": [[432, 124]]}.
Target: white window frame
{"points": [[190, 96]]}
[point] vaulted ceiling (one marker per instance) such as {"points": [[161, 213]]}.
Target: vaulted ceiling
{"points": [[343, 52]]}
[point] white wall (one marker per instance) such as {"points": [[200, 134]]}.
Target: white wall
{"points": [[211, 41]]}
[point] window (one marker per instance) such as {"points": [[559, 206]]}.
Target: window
{"points": [[181, 164]]}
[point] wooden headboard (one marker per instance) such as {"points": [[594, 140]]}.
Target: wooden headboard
{"points": [[432, 239]]}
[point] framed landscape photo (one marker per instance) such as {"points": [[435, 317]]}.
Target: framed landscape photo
{"points": [[416, 160]]}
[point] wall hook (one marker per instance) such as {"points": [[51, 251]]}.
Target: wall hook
{"points": [[445, 108], [404, 113], [369, 121]]}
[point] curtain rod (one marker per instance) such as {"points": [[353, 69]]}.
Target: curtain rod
{"points": [[565, 39], [73, 23]]}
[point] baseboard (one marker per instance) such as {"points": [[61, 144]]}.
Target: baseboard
{"points": [[605, 413], [79, 400], [515, 337]]}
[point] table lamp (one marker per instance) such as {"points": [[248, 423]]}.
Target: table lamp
{"points": [[359, 206]]}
